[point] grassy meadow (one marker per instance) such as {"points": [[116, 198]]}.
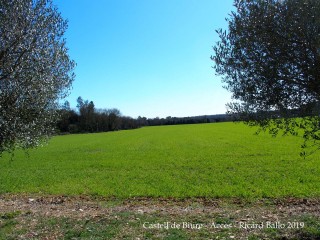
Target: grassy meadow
{"points": [[202, 160]]}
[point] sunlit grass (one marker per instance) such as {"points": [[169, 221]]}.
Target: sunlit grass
{"points": [[211, 160]]}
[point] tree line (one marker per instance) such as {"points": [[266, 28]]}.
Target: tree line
{"points": [[88, 119]]}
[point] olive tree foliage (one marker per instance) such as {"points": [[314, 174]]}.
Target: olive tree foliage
{"points": [[269, 59], [35, 71]]}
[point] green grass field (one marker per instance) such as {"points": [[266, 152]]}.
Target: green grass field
{"points": [[203, 160]]}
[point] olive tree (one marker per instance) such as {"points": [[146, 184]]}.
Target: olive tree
{"points": [[35, 71], [270, 61]]}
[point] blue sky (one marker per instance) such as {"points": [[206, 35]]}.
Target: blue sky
{"points": [[146, 57]]}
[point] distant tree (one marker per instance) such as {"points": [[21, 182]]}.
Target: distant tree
{"points": [[128, 123], [91, 115], [142, 121], [35, 71], [270, 60], [80, 103], [87, 115], [114, 119], [66, 105], [67, 119], [102, 120]]}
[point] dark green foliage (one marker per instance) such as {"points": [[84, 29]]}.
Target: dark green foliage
{"points": [[90, 119], [270, 60]]}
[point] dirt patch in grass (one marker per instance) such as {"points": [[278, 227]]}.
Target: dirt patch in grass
{"points": [[83, 217]]}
